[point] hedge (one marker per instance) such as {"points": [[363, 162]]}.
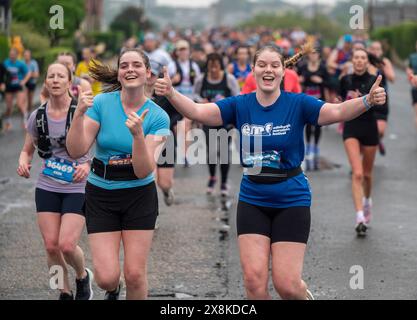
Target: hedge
{"points": [[400, 38]]}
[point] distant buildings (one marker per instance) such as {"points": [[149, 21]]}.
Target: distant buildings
{"points": [[388, 14]]}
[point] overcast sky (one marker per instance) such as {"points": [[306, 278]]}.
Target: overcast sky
{"points": [[201, 3]]}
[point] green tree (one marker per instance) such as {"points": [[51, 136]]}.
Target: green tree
{"points": [[36, 14], [130, 21]]}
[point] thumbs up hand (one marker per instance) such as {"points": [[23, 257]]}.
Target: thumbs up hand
{"points": [[377, 94], [134, 123], [85, 99], [163, 86]]}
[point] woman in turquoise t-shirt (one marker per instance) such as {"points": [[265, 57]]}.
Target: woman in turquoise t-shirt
{"points": [[121, 197], [273, 214]]}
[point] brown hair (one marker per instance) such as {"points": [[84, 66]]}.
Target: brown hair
{"points": [[108, 75], [306, 49]]}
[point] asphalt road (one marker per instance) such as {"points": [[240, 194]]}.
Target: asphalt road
{"points": [[194, 253]]}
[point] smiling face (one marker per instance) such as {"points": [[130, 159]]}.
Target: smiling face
{"points": [[133, 70], [58, 80], [268, 71], [360, 61]]}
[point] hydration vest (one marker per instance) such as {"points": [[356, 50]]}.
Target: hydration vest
{"points": [[179, 70], [44, 142]]}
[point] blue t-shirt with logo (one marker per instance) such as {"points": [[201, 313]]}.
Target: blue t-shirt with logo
{"points": [[114, 138], [17, 71], [272, 136]]}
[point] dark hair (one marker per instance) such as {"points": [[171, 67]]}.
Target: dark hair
{"points": [[374, 60], [215, 57], [242, 46], [108, 75]]}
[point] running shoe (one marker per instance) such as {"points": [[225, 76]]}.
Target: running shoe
{"points": [[169, 197], [224, 190], [381, 148], [85, 286], [210, 185], [113, 295], [310, 295], [361, 228], [66, 296]]}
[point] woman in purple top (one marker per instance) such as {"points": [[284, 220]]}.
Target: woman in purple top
{"points": [[61, 184]]}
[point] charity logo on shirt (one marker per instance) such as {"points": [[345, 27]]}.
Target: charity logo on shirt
{"points": [[267, 129]]}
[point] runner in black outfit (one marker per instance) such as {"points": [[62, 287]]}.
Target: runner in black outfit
{"points": [[360, 138]]}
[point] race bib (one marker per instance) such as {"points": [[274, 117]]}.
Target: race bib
{"points": [[58, 169], [271, 159], [121, 159]]}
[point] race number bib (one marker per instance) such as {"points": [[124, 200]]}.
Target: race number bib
{"points": [[58, 169], [121, 159], [271, 159]]}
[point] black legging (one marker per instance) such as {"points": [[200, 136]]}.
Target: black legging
{"points": [[224, 167], [317, 133]]}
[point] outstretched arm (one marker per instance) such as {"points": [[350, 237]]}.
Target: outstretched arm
{"points": [[206, 113], [350, 109]]}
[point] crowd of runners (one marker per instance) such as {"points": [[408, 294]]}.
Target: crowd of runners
{"points": [[274, 87]]}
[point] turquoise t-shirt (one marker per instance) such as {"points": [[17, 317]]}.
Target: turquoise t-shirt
{"points": [[114, 138]]}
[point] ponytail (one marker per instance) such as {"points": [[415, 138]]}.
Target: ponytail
{"points": [[106, 75], [306, 49]]}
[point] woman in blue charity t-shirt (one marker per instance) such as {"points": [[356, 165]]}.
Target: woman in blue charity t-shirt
{"points": [[273, 214], [121, 202]]}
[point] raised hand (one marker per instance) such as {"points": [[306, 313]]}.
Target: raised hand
{"points": [[85, 100], [163, 86], [135, 123], [377, 94]]}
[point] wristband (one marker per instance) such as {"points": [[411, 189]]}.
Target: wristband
{"points": [[367, 105]]}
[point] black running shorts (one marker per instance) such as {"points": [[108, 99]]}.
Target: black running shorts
{"points": [[279, 224], [62, 203], [366, 132], [120, 209]]}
